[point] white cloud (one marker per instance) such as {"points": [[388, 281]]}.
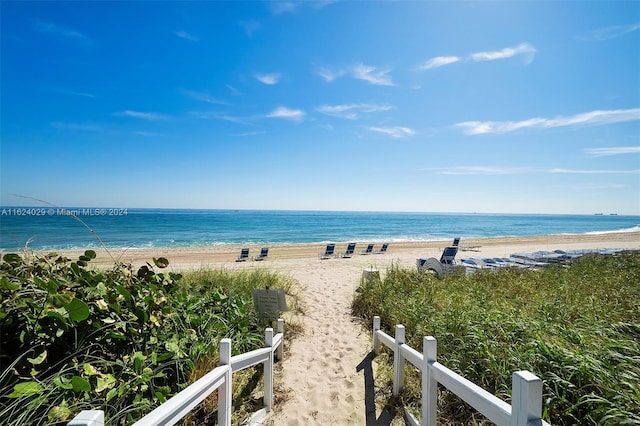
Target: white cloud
{"points": [[607, 33], [352, 111], [202, 96], [483, 170], [185, 35], [329, 75], [84, 127], [151, 116], [58, 30], [492, 170], [618, 150], [269, 79], [216, 115], [281, 6], [233, 90], [438, 61], [372, 75], [592, 117], [507, 52], [72, 93], [148, 134], [395, 132], [250, 26], [595, 172], [284, 112], [247, 134]]}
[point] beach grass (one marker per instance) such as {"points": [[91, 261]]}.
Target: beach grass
{"points": [[576, 327]]}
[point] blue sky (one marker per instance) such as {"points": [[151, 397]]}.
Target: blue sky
{"points": [[520, 107]]}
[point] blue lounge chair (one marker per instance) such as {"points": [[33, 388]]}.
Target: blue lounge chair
{"points": [[263, 254], [328, 252], [456, 241], [449, 255], [351, 248], [368, 250], [244, 255], [384, 248]]}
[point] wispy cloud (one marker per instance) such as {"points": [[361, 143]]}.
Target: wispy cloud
{"points": [[250, 26], [185, 35], [83, 127], [372, 75], [328, 75], [607, 33], [618, 150], [507, 52], [438, 61], [287, 113], [59, 30], [592, 117], [217, 115], [73, 93], [395, 132], [148, 134], [233, 90], [352, 111], [202, 96], [497, 171], [278, 7], [482, 170], [595, 172], [151, 116], [248, 134], [269, 79]]}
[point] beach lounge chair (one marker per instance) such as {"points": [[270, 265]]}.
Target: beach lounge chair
{"points": [[449, 255], [351, 248], [263, 254], [368, 250], [384, 248], [456, 241], [328, 252], [244, 255]]}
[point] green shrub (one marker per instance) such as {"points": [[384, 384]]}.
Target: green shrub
{"points": [[577, 328], [119, 340]]}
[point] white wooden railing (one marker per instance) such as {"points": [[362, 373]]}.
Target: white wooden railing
{"points": [[526, 396], [219, 378]]}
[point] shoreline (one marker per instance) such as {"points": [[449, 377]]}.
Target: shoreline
{"points": [[188, 258]]}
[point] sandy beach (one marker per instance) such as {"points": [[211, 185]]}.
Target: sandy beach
{"points": [[322, 378]]}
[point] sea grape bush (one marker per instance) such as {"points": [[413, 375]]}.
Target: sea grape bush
{"points": [[118, 340]]}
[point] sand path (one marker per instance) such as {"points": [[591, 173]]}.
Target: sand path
{"points": [[320, 368]]}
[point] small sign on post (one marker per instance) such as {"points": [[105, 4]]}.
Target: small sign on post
{"points": [[269, 303]]}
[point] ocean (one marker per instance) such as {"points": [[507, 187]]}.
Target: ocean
{"points": [[49, 228]]}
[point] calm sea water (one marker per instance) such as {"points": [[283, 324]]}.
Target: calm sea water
{"points": [[51, 228]]}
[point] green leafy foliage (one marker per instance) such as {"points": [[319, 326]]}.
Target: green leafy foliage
{"points": [[577, 328], [115, 339]]}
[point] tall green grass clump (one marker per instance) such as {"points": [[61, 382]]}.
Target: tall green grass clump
{"points": [[576, 327], [117, 339]]}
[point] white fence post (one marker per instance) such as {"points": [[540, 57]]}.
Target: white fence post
{"points": [[224, 391], [268, 370], [376, 328], [280, 351], [88, 418], [429, 383], [526, 398], [398, 361]]}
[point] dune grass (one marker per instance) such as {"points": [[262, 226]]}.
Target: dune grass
{"points": [[577, 328]]}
